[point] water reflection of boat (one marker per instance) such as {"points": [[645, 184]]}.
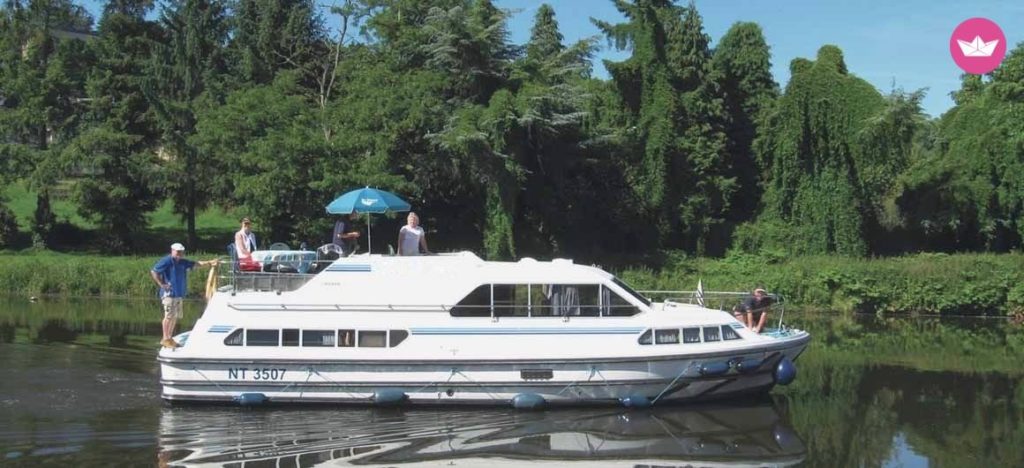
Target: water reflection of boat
{"points": [[707, 435]]}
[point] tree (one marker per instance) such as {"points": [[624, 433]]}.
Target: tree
{"points": [[274, 35], [184, 75], [814, 201], [42, 71], [674, 122], [969, 192], [115, 157], [742, 63]]}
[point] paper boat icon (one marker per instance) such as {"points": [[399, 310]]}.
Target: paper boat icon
{"points": [[978, 47]]}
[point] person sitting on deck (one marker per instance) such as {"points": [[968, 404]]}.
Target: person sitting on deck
{"points": [[756, 308]]}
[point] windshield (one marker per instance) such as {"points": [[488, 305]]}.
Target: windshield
{"points": [[631, 292]]}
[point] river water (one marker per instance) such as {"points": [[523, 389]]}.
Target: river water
{"points": [[79, 386]]}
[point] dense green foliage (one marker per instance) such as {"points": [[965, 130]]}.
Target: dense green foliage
{"points": [[270, 108], [926, 283]]}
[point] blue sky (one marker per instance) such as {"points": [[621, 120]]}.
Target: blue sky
{"points": [[905, 42]]}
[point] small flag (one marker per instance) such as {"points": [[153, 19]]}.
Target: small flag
{"points": [[700, 292]]}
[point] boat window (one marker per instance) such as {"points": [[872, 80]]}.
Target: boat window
{"points": [[511, 300], [346, 338], [396, 336], [571, 300], [475, 304], [235, 338], [691, 335], [372, 339], [645, 339], [262, 337], [540, 301], [615, 305], [729, 334], [712, 334], [631, 291], [666, 336], [290, 337], [317, 337]]}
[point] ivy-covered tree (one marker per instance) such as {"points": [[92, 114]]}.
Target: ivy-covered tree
{"points": [[814, 201], [969, 193], [675, 122], [742, 64]]}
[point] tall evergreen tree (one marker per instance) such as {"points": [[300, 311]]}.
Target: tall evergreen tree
{"points": [[273, 35], [184, 73], [116, 156], [42, 71]]}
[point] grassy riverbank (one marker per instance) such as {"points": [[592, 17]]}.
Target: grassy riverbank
{"points": [[928, 283], [974, 284]]}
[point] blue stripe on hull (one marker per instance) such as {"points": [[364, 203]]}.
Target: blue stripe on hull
{"points": [[525, 331]]}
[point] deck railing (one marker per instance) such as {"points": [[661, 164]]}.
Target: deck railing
{"points": [[721, 300]]}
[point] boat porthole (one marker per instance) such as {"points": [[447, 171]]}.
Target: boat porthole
{"points": [[450, 392]]}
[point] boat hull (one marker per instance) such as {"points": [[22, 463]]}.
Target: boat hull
{"points": [[640, 380]]}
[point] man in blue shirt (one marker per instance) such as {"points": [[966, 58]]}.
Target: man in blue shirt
{"points": [[170, 275]]}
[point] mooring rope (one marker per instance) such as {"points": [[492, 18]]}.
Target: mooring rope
{"points": [[673, 382], [225, 392]]}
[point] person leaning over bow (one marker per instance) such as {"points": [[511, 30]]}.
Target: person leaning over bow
{"points": [[245, 241], [411, 237], [756, 307], [169, 273]]}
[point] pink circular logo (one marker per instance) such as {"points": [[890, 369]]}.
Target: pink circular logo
{"points": [[977, 45]]}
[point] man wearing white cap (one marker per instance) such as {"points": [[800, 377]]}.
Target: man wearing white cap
{"points": [[170, 275]]}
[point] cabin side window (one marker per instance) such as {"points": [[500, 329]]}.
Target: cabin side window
{"points": [[290, 337], [511, 300], [395, 337], [569, 300], [262, 337], [235, 338], [645, 339], [616, 306], [372, 339], [729, 334], [346, 338], [318, 338], [712, 334], [476, 304], [691, 335], [670, 336]]}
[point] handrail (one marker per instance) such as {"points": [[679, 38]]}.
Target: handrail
{"points": [[690, 297]]}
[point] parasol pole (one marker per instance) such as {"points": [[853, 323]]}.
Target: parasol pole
{"points": [[369, 236]]}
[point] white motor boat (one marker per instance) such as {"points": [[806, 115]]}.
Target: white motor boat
{"points": [[455, 329]]}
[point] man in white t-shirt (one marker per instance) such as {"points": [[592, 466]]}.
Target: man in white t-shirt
{"points": [[411, 238]]}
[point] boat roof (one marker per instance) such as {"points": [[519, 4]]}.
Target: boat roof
{"points": [[435, 279]]}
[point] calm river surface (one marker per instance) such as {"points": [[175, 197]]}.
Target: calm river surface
{"points": [[79, 387]]}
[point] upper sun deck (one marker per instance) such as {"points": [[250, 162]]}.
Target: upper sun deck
{"points": [[419, 280]]}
